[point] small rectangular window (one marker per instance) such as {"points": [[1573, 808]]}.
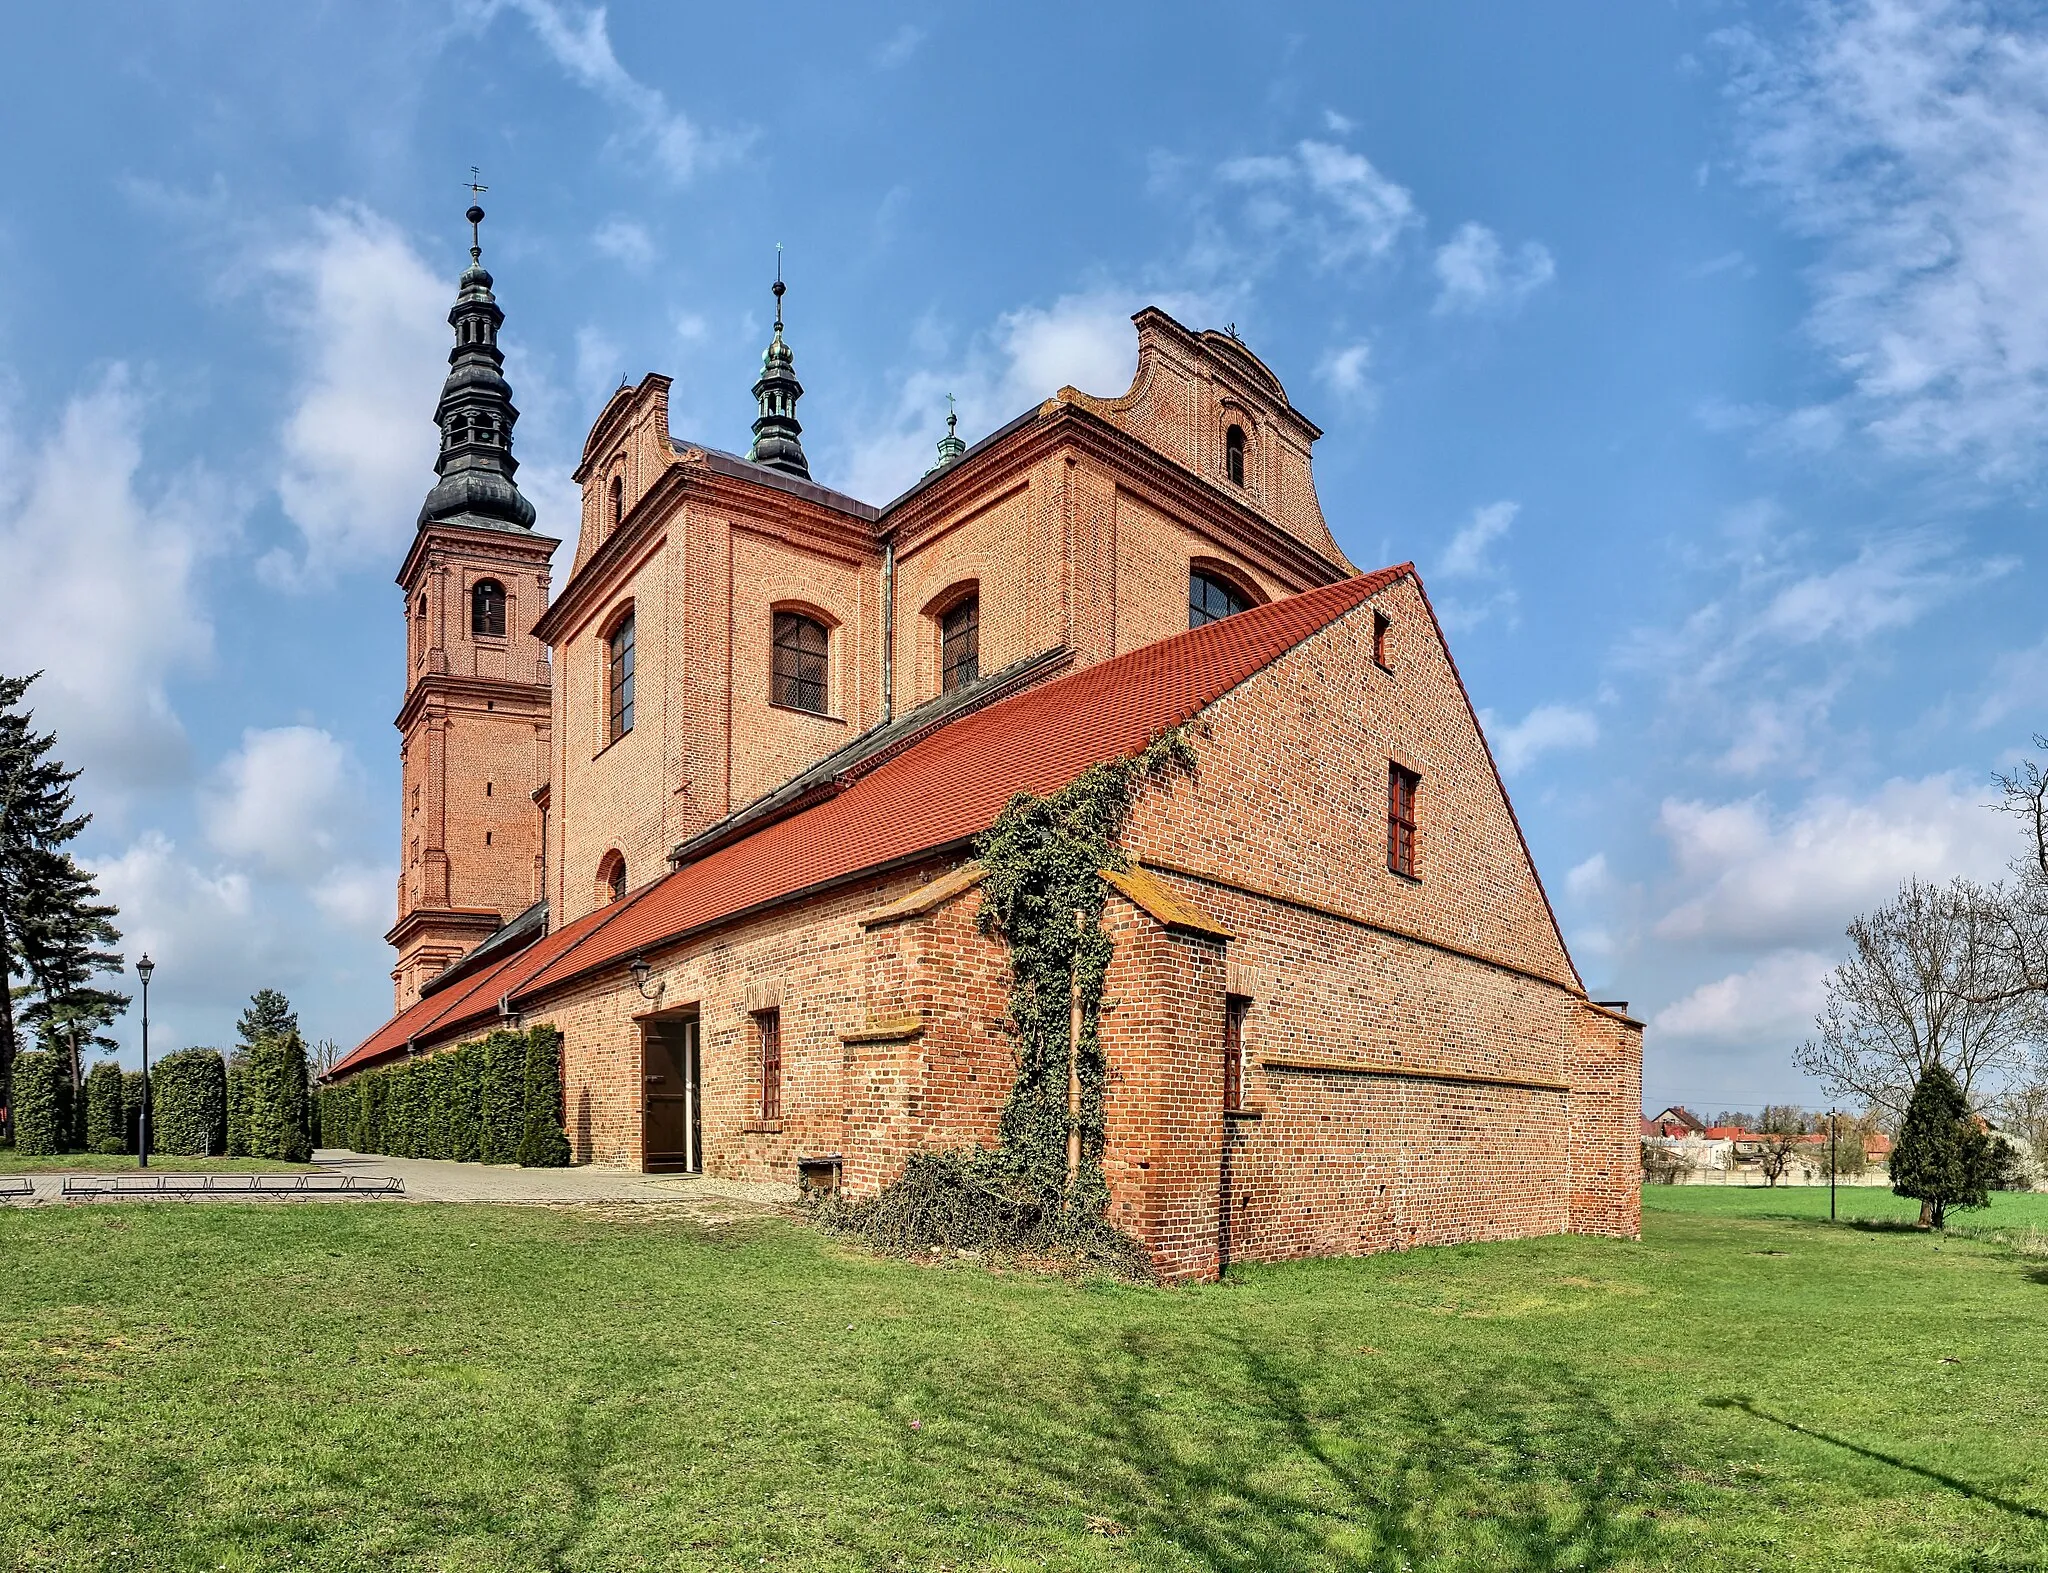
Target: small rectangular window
{"points": [[768, 1024], [1401, 787], [1235, 1008], [799, 668], [1382, 625]]}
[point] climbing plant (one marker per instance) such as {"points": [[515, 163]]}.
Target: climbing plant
{"points": [[1042, 894]]}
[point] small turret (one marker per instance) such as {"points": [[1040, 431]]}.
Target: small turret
{"points": [[950, 445], [778, 438], [476, 414]]}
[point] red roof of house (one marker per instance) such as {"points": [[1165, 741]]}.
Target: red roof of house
{"points": [[948, 786]]}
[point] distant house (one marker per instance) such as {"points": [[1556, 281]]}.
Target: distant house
{"points": [[1676, 1121]]}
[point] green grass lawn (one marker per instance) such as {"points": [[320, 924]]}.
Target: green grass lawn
{"points": [[1853, 1204], [379, 1386], [12, 1162]]}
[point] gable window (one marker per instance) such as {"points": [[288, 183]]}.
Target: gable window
{"points": [[960, 645], [1235, 1008], [799, 665], [1401, 788], [618, 502], [1233, 455], [487, 609], [1210, 599], [1382, 625], [619, 679], [768, 1028], [611, 876]]}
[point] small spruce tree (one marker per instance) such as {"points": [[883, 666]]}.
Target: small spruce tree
{"points": [[270, 1015], [1942, 1160], [104, 1128], [543, 1144]]}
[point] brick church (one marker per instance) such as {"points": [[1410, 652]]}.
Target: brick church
{"points": [[711, 810]]}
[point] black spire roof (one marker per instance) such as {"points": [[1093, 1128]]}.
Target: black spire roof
{"points": [[475, 414], [778, 439]]}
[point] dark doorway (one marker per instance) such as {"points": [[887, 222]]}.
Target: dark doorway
{"points": [[673, 1078]]}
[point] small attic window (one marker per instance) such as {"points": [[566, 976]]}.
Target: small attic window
{"points": [[1233, 455], [618, 500]]}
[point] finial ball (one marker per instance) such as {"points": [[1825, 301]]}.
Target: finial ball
{"points": [[475, 215]]}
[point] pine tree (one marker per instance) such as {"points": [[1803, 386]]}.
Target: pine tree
{"points": [[55, 936], [1942, 1159], [270, 1015]]}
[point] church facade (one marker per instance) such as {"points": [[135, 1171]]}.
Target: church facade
{"points": [[712, 809]]}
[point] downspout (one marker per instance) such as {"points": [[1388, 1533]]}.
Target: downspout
{"points": [[888, 631]]}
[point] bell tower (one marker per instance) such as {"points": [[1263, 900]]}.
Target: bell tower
{"points": [[475, 721]]}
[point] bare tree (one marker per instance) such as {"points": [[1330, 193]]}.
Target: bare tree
{"points": [[322, 1055], [1775, 1152], [1931, 979]]}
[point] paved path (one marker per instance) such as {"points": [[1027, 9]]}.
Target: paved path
{"points": [[433, 1180]]}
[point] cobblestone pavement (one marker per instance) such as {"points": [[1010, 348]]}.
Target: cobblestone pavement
{"points": [[433, 1180]]}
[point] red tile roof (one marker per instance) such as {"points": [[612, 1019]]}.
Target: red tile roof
{"points": [[945, 788]]}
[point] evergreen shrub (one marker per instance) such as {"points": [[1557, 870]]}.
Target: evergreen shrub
{"points": [[189, 1104], [504, 1095], [131, 1110], [275, 1077], [1942, 1159], [41, 1120], [105, 1130], [543, 1144], [465, 1095], [238, 1105]]}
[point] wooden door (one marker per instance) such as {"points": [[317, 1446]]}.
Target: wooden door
{"points": [[672, 1074]]}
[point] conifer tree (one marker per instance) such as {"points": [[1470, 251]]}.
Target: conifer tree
{"points": [[1942, 1159], [274, 1079], [55, 935], [543, 1144], [105, 1130], [270, 1015], [238, 1105]]}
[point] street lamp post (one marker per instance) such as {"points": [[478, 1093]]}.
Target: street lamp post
{"points": [[143, 969], [1834, 1164]]}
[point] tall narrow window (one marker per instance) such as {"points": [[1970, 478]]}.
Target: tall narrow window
{"points": [[799, 667], [1401, 787], [618, 502], [960, 644], [1210, 599], [611, 876], [1382, 625], [768, 1024], [619, 678], [1233, 455], [487, 608], [1235, 1008]]}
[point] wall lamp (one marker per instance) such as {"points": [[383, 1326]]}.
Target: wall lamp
{"points": [[639, 968]]}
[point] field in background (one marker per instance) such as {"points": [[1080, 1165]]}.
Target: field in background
{"points": [[376, 1386]]}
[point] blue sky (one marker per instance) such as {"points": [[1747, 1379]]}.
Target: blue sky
{"points": [[1697, 352]]}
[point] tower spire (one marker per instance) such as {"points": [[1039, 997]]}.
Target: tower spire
{"points": [[476, 414], [950, 445], [778, 437]]}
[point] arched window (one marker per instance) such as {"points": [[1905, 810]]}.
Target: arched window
{"points": [[611, 876], [1211, 599], [1233, 455], [799, 665], [487, 608], [960, 644], [619, 679], [618, 502]]}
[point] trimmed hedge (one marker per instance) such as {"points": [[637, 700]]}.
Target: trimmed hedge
{"points": [[238, 1104], [131, 1110], [189, 1104], [41, 1119], [105, 1129], [275, 1076], [498, 1100]]}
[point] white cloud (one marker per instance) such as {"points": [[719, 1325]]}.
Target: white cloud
{"points": [[1325, 198], [1544, 730], [1338, 125], [1466, 557], [1344, 370], [289, 800], [1749, 876], [624, 241], [1767, 1003], [204, 930], [358, 897], [2019, 685], [358, 448], [100, 569], [1588, 879], [581, 45], [899, 46], [1909, 140], [1475, 274]]}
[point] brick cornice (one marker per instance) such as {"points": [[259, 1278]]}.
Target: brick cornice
{"points": [[524, 699], [469, 541]]}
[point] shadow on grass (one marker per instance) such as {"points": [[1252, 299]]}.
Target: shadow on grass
{"points": [[1284, 1463], [1974, 1493]]}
